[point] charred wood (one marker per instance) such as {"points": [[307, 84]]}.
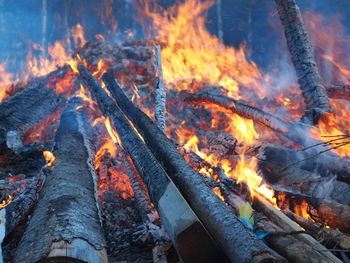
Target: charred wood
{"points": [[66, 225], [48, 80], [301, 51], [296, 179], [285, 223], [18, 210], [324, 211], [287, 245], [326, 235], [286, 129], [275, 158], [239, 243], [160, 110], [179, 220], [26, 109], [339, 91]]}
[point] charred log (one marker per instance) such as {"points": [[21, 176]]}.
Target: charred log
{"points": [[182, 225], [286, 129], [26, 109], [327, 235], [159, 111], [239, 243], [275, 158], [18, 210], [66, 226], [285, 223], [301, 51], [339, 91], [287, 245], [321, 210]]}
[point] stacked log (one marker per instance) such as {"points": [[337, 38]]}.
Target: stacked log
{"points": [[66, 226], [228, 231], [179, 220]]}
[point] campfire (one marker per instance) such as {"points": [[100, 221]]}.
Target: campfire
{"points": [[173, 146]]}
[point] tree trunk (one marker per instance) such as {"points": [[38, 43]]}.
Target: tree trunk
{"points": [[66, 226]]}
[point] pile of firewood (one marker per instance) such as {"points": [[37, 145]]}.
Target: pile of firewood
{"points": [[135, 205]]}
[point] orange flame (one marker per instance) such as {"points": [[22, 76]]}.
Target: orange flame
{"points": [[6, 202], [49, 157], [191, 52]]}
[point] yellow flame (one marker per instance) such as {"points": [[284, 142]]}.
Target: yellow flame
{"points": [[49, 157]]}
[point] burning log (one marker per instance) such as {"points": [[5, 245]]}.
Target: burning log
{"points": [[283, 242], [281, 220], [328, 235], [321, 210], [66, 224], [301, 51], [182, 225], [284, 128], [19, 209], [26, 109], [239, 243], [287, 245], [159, 111], [339, 91]]}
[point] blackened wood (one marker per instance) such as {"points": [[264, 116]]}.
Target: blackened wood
{"points": [[323, 164], [187, 233], [323, 211], [238, 242], [281, 220], [301, 51], [339, 91], [27, 108], [292, 132], [22, 206], [66, 226], [287, 245], [160, 110], [327, 235]]}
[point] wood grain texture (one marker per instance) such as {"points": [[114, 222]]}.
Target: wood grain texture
{"points": [[67, 210]]}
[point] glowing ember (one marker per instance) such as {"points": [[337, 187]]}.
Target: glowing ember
{"points": [[6, 202], [49, 157]]}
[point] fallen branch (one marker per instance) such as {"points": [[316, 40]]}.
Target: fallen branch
{"points": [[230, 233], [301, 51]]}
